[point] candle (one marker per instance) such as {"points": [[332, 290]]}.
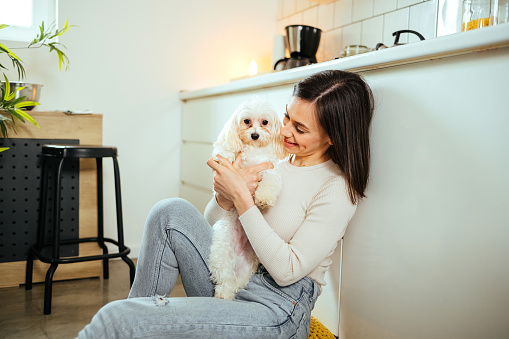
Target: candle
{"points": [[253, 68]]}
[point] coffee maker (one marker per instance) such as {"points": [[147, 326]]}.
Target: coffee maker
{"points": [[302, 43]]}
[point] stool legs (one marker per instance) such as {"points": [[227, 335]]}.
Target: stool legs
{"points": [[132, 269], [54, 259], [29, 271], [48, 283], [100, 216], [118, 199], [41, 227], [48, 287], [56, 212], [120, 225]]}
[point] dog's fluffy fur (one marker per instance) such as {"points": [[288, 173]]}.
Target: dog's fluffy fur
{"points": [[253, 130]]}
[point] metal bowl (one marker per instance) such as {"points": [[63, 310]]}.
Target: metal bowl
{"points": [[31, 92]]}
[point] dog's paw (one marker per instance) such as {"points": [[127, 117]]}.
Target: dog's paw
{"points": [[263, 201], [225, 293]]}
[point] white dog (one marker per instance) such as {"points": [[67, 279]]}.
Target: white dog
{"points": [[253, 130]]}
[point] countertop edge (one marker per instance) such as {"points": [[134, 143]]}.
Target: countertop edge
{"points": [[446, 46]]}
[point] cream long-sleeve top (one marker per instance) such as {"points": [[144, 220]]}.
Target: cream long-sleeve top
{"points": [[297, 236]]}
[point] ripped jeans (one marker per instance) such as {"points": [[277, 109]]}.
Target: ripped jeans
{"points": [[176, 240]]}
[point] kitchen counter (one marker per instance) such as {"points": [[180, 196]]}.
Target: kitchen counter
{"points": [[446, 46]]}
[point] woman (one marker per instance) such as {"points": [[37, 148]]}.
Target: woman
{"points": [[326, 131]]}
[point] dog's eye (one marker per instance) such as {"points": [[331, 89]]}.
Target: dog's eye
{"points": [[247, 121], [265, 122]]}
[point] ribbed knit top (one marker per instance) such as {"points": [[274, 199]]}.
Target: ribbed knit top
{"points": [[297, 236]]}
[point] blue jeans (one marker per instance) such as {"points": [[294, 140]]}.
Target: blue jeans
{"points": [[176, 240]]}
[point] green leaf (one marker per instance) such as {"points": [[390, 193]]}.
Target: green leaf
{"points": [[26, 104], [8, 51], [2, 26], [7, 88], [14, 102], [3, 127], [15, 114], [26, 115]]}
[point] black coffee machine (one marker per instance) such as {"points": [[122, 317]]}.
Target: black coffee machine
{"points": [[302, 42]]}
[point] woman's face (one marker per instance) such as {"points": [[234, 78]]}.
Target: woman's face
{"points": [[303, 135]]}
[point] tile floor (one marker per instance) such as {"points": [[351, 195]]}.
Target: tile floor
{"points": [[73, 305]]}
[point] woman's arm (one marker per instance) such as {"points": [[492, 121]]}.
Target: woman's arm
{"points": [[317, 237], [232, 181], [213, 212], [235, 184]]}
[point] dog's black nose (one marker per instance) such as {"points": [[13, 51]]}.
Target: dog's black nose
{"points": [[255, 136]]}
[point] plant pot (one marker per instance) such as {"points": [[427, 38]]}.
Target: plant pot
{"points": [[31, 92]]}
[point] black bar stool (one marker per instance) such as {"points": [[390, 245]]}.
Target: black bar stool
{"points": [[60, 153]]}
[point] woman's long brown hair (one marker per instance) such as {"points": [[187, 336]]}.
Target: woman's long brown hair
{"points": [[344, 104]]}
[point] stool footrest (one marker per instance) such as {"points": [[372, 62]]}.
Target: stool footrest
{"points": [[50, 260]]}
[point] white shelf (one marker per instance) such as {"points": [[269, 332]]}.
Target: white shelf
{"points": [[461, 43]]}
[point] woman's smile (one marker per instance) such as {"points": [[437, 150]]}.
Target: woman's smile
{"points": [[290, 144]]}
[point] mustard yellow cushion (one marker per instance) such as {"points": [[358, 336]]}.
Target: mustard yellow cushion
{"points": [[318, 330]]}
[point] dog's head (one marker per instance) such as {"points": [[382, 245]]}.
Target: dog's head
{"points": [[253, 123]]}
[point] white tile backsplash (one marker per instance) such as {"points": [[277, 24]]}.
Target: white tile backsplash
{"points": [[333, 44], [354, 22], [395, 21], [372, 31], [384, 6], [362, 9], [310, 17], [343, 12], [406, 3], [281, 26], [305, 4], [295, 19], [289, 7], [423, 20], [326, 17], [352, 34]]}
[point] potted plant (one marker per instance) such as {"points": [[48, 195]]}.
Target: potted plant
{"points": [[13, 104]]}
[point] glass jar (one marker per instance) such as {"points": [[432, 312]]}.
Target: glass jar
{"points": [[476, 14], [501, 12]]}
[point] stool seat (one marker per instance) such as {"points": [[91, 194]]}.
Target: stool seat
{"points": [[59, 154], [79, 151]]}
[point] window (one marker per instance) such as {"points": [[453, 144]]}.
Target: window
{"points": [[24, 18]]}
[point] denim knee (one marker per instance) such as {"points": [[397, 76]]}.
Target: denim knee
{"points": [[171, 204], [165, 209]]}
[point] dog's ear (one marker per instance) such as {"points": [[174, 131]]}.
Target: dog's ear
{"points": [[278, 145], [278, 139], [229, 137]]}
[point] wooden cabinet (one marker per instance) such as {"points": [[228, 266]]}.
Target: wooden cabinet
{"points": [[88, 129]]}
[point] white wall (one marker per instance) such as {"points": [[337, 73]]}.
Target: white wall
{"points": [[129, 60]]}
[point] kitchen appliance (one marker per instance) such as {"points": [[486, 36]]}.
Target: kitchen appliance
{"points": [[396, 40], [302, 42]]}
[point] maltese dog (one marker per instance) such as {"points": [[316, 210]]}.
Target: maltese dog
{"points": [[253, 130]]}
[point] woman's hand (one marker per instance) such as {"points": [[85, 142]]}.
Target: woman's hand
{"points": [[235, 185]]}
